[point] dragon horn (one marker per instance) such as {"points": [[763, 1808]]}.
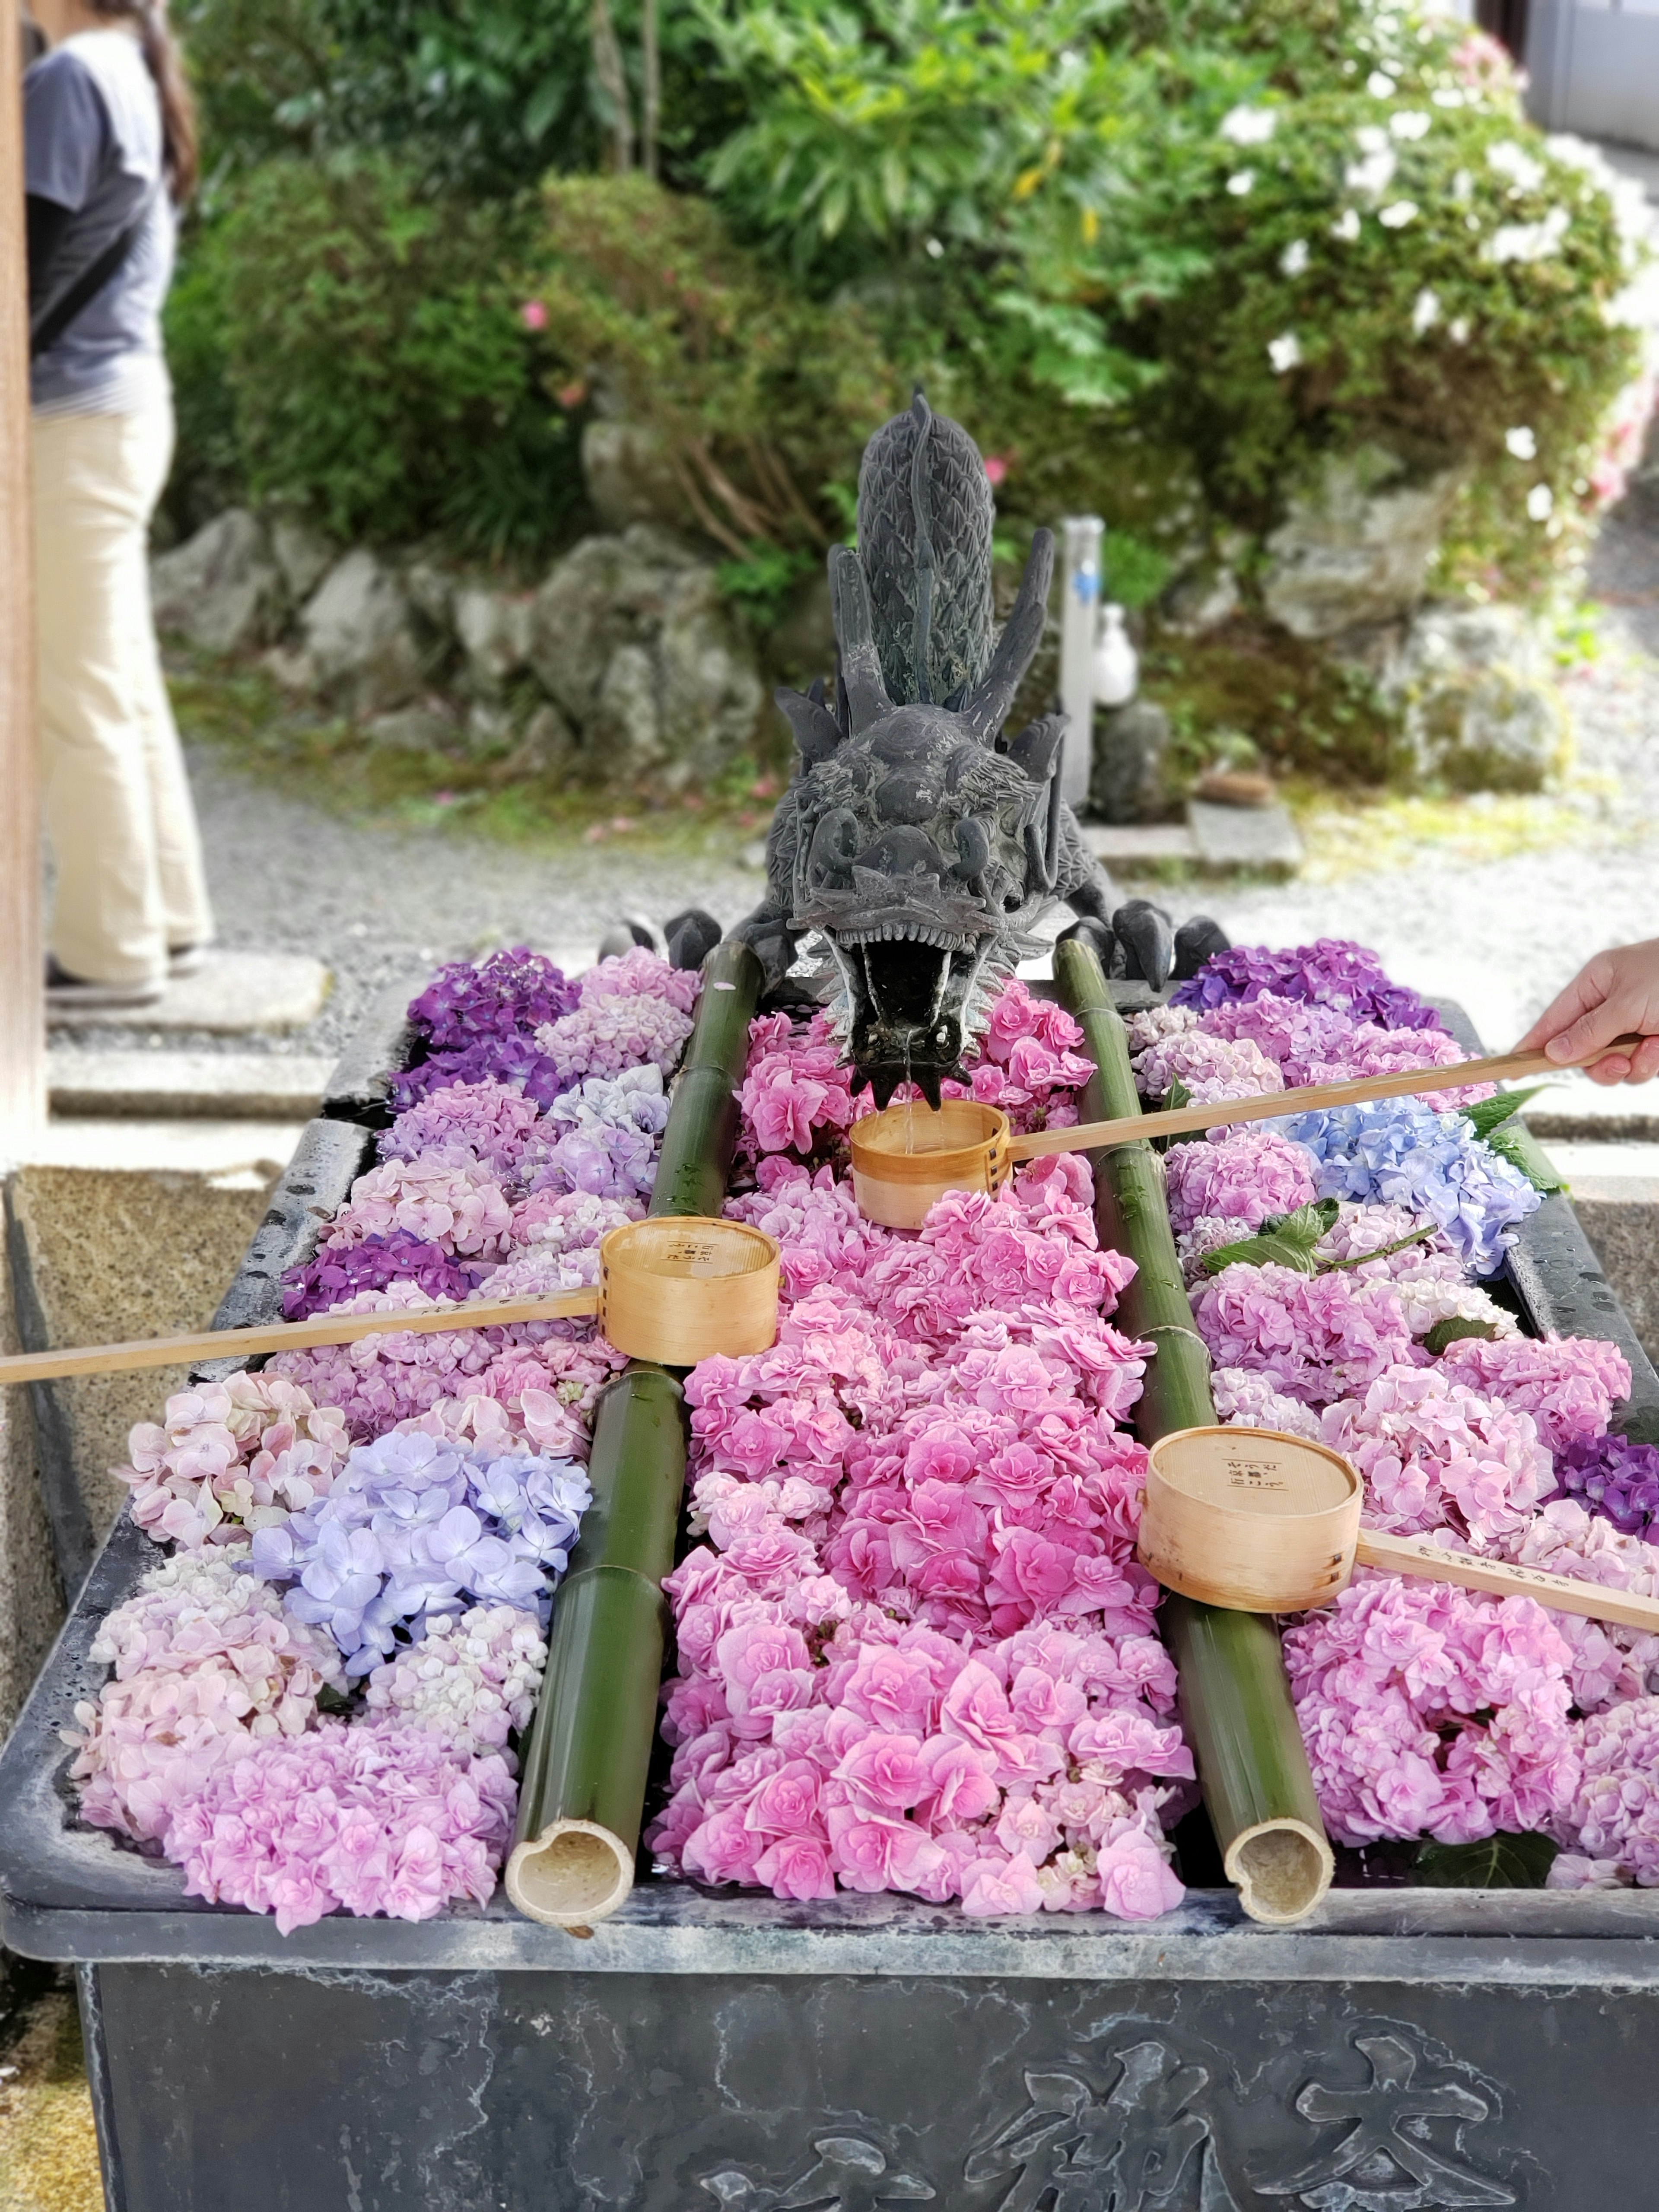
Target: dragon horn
{"points": [[817, 731], [861, 668], [988, 706]]}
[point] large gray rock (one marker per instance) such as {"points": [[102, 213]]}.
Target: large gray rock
{"points": [[303, 554], [494, 630], [360, 647], [630, 477], [221, 589], [1481, 710], [630, 637], [1356, 550], [1127, 779]]}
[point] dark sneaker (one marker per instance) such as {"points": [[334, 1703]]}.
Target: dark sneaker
{"points": [[67, 991]]}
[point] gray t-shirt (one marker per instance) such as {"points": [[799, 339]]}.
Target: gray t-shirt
{"points": [[92, 142]]}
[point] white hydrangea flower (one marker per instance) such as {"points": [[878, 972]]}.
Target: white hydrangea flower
{"points": [[1397, 214], [1410, 122], [1447, 96], [1425, 310], [1381, 85], [1515, 162], [1294, 259], [1374, 174], [1541, 502], [1285, 353], [1458, 329], [1240, 182], [1346, 225], [1249, 127], [1463, 184], [1522, 443], [1529, 242]]}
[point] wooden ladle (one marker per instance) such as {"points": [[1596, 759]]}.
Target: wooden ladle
{"points": [[672, 1288], [907, 1157], [1260, 1521]]}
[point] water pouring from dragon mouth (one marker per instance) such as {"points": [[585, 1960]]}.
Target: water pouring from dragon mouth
{"points": [[920, 841]]}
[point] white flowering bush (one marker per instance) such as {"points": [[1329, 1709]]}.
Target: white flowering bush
{"points": [[1399, 256]]}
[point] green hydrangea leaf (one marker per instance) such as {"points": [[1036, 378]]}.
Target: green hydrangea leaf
{"points": [[1502, 1860], [1521, 1150], [1492, 1113], [1284, 1240], [1454, 1326]]}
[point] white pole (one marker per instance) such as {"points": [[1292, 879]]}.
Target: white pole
{"points": [[22, 1001], [1078, 616]]}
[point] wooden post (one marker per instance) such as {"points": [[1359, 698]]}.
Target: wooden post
{"points": [[22, 1004]]}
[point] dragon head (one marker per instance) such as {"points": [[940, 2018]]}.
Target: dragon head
{"points": [[925, 841]]}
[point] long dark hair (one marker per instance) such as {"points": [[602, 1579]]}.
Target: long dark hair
{"points": [[162, 59]]}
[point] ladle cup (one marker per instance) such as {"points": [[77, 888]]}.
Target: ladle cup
{"points": [[1260, 1521]]}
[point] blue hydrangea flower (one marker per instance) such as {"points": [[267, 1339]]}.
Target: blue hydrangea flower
{"points": [[416, 1527], [1400, 1153]]}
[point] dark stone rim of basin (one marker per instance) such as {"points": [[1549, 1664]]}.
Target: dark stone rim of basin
{"points": [[74, 1893]]}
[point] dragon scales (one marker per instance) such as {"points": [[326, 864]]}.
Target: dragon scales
{"points": [[918, 840]]}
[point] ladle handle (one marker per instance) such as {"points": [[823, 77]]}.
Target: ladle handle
{"points": [[1400, 1083], [1415, 1555], [286, 1336]]}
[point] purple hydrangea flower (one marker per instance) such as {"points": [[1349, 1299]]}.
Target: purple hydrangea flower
{"points": [[1615, 1477], [1330, 972], [509, 995], [336, 1275], [517, 1061]]}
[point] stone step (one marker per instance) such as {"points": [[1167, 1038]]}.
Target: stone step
{"points": [[1244, 837], [1573, 1107], [1122, 844], [231, 992], [255, 1086], [229, 1155]]}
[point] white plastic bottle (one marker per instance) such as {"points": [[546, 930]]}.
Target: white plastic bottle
{"points": [[1117, 664]]}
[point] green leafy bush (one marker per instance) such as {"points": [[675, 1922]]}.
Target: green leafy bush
{"points": [[382, 374], [1093, 202], [759, 398]]}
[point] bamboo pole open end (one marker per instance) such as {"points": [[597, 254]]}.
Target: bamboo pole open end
{"points": [[572, 1874], [1282, 1869]]}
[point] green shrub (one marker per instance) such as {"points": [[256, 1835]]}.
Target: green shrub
{"points": [[382, 374], [761, 398], [1087, 214]]}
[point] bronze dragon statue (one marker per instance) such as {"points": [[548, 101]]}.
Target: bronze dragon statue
{"points": [[919, 840]]}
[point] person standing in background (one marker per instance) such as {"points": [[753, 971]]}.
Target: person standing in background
{"points": [[109, 141]]}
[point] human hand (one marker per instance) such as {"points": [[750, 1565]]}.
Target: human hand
{"points": [[1615, 994]]}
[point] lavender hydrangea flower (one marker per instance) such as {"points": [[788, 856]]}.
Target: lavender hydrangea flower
{"points": [[336, 1275], [488, 1122], [1401, 1152], [1330, 972], [602, 1137], [418, 1527]]}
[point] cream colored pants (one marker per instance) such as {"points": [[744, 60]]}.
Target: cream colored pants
{"points": [[118, 812]]}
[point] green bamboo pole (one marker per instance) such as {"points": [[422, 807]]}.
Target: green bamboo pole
{"points": [[1235, 1695], [581, 1797]]}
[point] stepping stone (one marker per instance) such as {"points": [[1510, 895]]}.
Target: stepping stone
{"points": [[231, 992], [1244, 837], [1125, 842], [254, 1087]]}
